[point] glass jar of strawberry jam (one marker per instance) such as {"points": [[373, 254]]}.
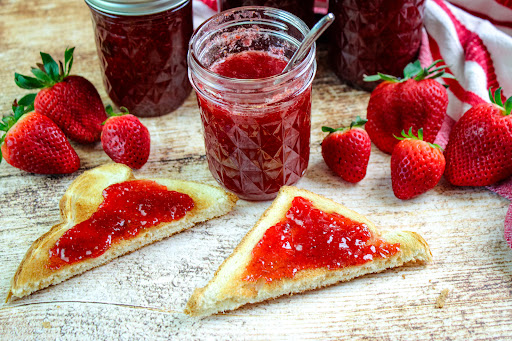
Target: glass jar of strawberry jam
{"points": [[370, 36], [256, 119], [142, 46], [304, 9]]}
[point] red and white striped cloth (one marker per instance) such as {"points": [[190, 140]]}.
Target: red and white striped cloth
{"points": [[474, 38]]}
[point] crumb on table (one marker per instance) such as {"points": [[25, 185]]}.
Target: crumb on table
{"points": [[440, 301]]}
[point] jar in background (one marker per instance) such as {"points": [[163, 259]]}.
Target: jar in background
{"points": [[142, 47], [304, 9], [370, 36], [256, 120]]}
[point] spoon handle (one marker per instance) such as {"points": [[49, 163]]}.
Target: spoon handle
{"points": [[310, 38]]}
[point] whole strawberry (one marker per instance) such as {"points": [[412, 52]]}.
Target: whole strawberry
{"points": [[72, 102], [347, 150], [479, 151], [416, 101], [125, 139], [416, 165], [35, 144]]}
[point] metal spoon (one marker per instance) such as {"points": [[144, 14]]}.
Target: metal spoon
{"points": [[312, 36]]}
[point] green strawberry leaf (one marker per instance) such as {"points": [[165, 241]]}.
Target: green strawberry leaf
{"points": [[110, 112], [26, 82], [491, 95], [41, 75], [381, 76], [51, 67], [420, 133], [18, 112], [387, 77], [3, 127], [27, 102], [434, 64], [372, 78], [68, 60], [412, 69], [508, 106], [359, 122], [497, 97], [328, 129]]}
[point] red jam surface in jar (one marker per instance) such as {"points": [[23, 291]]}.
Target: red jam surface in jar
{"points": [[304, 9], [127, 208], [308, 238], [370, 36], [144, 58], [253, 155]]}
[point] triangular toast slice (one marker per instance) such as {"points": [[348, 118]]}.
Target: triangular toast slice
{"points": [[277, 257], [82, 199]]}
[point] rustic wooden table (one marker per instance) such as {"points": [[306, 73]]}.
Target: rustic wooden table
{"points": [[142, 295]]}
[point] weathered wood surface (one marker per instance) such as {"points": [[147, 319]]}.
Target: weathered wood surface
{"points": [[142, 295]]}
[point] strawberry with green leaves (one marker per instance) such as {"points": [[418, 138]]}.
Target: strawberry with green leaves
{"points": [[72, 102], [416, 165], [416, 101], [479, 151], [347, 150], [125, 139], [33, 143]]}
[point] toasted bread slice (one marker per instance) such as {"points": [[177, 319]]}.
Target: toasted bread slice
{"points": [[82, 199], [228, 290]]}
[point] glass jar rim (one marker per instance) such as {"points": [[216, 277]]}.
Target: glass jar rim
{"points": [[134, 7], [194, 61]]}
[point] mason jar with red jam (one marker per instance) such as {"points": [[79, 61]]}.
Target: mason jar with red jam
{"points": [[142, 47], [304, 9], [256, 119], [370, 36]]}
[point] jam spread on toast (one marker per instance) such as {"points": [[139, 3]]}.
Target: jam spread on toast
{"points": [[308, 238], [127, 208]]}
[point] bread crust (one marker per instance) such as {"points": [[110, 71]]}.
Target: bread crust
{"points": [[227, 290], [82, 199]]}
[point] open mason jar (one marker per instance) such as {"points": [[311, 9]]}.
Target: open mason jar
{"points": [[142, 46], [256, 120]]}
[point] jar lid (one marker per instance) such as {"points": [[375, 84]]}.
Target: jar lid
{"points": [[134, 7]]}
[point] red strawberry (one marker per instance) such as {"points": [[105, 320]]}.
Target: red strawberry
{"points": [[416, 165], [35, 144], [72, 102], [417, 101], [125, 139], [479, 152], [347, 150]]}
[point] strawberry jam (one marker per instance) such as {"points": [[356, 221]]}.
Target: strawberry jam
{"points": [[256, 118], [370, 36], [127, 208], [143, 53], [308, 238], [254, 153]]}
